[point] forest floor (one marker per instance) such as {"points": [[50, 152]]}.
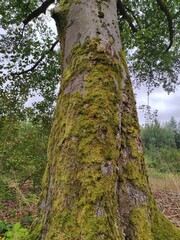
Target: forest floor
{"points": [[166, 191], [21, 208]]}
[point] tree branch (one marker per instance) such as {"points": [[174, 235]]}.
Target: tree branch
{"points": [[127, 17], [38, 11], [38, 61], [129, 10], [164, 8]]}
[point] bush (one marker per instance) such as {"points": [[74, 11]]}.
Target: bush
{"points": [[15, 232], [163, 159], [5, 193], [160, 147], [23, 152], [157, 136]]}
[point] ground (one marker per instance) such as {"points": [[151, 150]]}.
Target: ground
{"points": [[166, 190]]}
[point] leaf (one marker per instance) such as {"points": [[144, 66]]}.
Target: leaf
{"points": [[16, 226], [3, 225]]}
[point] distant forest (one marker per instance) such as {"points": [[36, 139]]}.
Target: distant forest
{"points": [[162, 146]]}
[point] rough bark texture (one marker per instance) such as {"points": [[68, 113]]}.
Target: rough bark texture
{"points": [[95, 186]]}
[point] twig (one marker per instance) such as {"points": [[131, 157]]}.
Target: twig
{"points": [[164, 8], [38, 11], [175, 215], [14, 185], [129, 10], [38, 61], [126, 16]]}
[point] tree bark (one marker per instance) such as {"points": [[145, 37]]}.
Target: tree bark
{"points": [[95, 185]]}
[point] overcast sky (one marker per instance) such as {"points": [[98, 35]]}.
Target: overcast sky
{"points": [[167, 105]]}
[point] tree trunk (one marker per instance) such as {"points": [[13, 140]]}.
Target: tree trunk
{"points": [[95, 186]]}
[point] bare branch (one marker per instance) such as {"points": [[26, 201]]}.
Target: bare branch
{"points": [[127, 17], [164, 8], [38, 11], [38, 61]]}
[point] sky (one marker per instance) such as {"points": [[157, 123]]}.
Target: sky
{"points": [[167, 105]]}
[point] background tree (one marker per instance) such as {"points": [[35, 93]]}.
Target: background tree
{"points": [[95, 185], [158, 136], [175, 127], [160, 147]]}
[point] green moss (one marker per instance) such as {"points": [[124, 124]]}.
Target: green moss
{"points": [[140, 225], [111, 40], [147, 223], [163, 229], [122, 56], [135, 175], [87, 122], [87, 56], [36, 230]]}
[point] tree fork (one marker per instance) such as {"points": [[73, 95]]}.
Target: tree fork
{"points": [[95, 185]]}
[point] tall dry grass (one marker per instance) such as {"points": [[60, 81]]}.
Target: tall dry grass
{"points": [[165, 182]]}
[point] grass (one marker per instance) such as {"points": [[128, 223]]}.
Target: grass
{"points": [[166, 189], [167, 182]]}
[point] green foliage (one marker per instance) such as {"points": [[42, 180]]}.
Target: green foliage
{"points": [[21, 47], [5, 193], [15, 232], [157, 136], [3, 226], [163, 160], [149, 60], [175, 127], [161, 146], [20, 11], [22, 152]]}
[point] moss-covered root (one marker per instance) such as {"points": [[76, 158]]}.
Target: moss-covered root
{"points": [[163, 229], [157, 228]]}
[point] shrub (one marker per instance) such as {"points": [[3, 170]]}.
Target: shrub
{"points": [[15, 232]]}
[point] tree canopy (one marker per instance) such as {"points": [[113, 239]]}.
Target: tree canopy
{"points": [[29, 57]]}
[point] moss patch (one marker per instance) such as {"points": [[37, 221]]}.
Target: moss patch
{"points": [[140, 225], [162, 228]]}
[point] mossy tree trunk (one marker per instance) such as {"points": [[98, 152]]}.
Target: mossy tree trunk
{"points": [[95, 185]]}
